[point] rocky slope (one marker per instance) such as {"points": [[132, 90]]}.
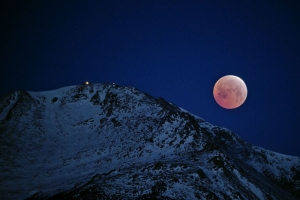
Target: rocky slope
{"points": [[104, 141]]}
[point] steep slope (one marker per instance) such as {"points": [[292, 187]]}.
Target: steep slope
{"points": [[107, 141]]}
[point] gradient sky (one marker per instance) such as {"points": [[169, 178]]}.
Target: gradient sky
{"points": [[171, 49]]}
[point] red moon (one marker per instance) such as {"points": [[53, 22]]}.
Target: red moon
{"points": [[230, 92]]}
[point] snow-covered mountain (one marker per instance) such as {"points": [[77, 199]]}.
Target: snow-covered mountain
{"points": [[104, 141]]}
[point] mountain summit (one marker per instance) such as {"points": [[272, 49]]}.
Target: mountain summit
{"points": [[104, 141]]}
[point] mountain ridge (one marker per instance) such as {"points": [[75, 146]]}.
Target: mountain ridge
{"points": [[126, 143]]}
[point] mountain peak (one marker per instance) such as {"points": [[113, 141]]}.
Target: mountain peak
{"points": [[107, 141]]}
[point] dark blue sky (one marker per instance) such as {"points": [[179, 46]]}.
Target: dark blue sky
{"points": [[171, 49]]}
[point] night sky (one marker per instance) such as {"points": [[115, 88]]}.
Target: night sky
{"points": [[171, 49]]}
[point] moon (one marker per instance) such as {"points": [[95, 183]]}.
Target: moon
{"points": [[230, 92]]}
